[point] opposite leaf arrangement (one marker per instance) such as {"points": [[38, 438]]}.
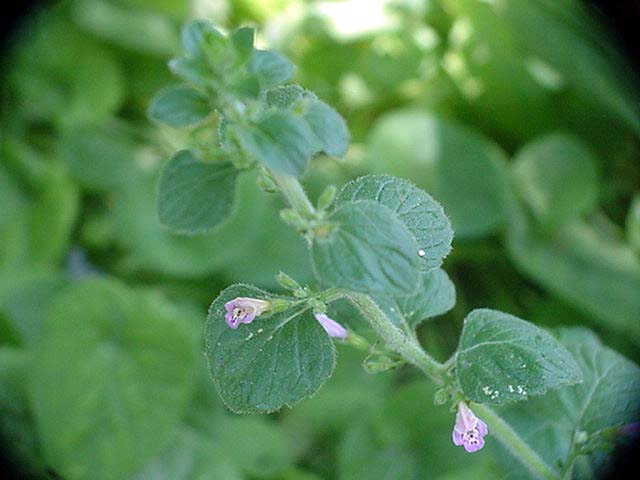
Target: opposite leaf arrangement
{"points": [[378, 243]]}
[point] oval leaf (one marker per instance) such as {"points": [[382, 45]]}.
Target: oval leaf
{"points": [[193, 196], [370, 250], [179, 107], [609, 396], [421, 214], [276, 360], [435, 295], [329, 127], [110, 379], [556, 176], [502, 358], [279, 140]]}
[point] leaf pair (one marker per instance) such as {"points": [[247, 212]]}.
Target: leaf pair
{"points": [[296, 126], [387, 232]]}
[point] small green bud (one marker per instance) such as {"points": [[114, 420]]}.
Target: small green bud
{"points": [[357, 341], [301, 293], [279, 305], [287, 282], [441, 396], [380, 364], [293, 218], [266, 182], [327, 197]]}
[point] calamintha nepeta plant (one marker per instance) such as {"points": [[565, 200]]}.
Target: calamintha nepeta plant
{"points": [[378, 243]]}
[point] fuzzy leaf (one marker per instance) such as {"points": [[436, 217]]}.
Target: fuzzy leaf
{"points": [[421, 214], [370, 250], [434, 296], [114, 366], [277, 360], [193, 196], [279, 140], [179, 106], [502, 358]]}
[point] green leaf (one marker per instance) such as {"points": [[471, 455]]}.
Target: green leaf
{"points": [[370, 250], [179, 106], [128, 363], [254, 445], [39, 231], [279, 140], [135, 29], [582, 51], [191, 70], [361, 457], [192, 455], [98, 158], [421, 214], [434, 296], [608, 396], [502, 358], [277, 360], [194, 196], [27, 299], [63, 76], [598, 275], [197, 34], [20, 441], [556, 176], [271, 67], [328, 126], [463, 170], [242, 40]]}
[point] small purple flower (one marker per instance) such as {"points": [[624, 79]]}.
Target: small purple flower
{"points": [[333, 328], [469, 430], [244, 310]]}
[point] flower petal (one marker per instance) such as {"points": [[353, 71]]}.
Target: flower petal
{"points": [[474, 447], [457, 438], [482, 428], [333, 328]]}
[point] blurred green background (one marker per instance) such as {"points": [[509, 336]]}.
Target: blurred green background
{"points": [[521, 117]]}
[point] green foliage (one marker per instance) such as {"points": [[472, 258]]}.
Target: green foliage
{"points": [[277, 360], [98, 158], [359, 255], [448, 165], [105, 353], [420, 213], [502, 358], [599, 275], [194, 196], [278, 140], [101, 304], [557, 178], [179, 107], [563, 423], [435, 296], [36, 232]]}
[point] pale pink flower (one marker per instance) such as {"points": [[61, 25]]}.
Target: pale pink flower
{"points": [[469, 430]]}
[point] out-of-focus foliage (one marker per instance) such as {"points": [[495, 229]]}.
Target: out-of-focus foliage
{"points": [[521, 117]]}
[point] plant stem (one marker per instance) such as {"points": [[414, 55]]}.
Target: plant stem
{"points": [[396, 339], [515, 444], [409, 348], [294, 193]]}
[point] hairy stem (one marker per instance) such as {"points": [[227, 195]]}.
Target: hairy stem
{"points": [[515, 444], [294, 193], [396, 339]]}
